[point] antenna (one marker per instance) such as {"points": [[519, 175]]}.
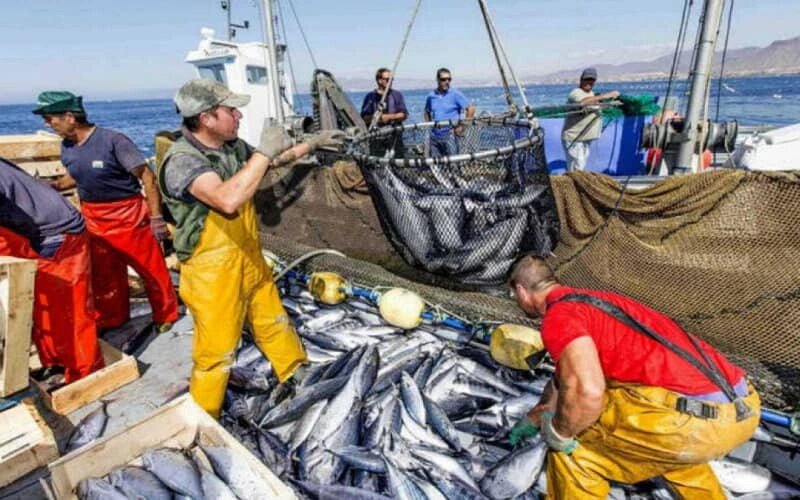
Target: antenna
{"points": [[226, 6]]}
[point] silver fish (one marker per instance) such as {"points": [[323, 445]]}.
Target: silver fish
{"points": [[175, 470], [235, 470], [515, 473], [98, 489], [401, 486], [89, 428], [290, 409], [322, 491], [306, 424], [139, 484]]}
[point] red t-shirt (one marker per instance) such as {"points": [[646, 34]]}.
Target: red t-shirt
{"points": [[625, 354]]}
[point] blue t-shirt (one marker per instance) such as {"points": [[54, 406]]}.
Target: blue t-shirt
{"points": [[445, 106], [33, 209], [102, 165], [394, 104]]}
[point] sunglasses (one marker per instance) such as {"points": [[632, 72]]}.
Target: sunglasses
{"points": [[445, 79]]}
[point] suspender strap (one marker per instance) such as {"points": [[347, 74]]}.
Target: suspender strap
{"points": [[709, 369]]}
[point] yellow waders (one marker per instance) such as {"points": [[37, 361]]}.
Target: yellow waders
{"points": [[224, 282], [639, 436]]}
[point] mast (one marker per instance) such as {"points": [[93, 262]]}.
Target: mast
{"points": [[273, 60], [701, 74]]}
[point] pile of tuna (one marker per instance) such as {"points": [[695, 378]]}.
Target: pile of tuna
{"points": [[384, 412], [200, 472]]}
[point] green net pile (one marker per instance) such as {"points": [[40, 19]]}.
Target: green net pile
{"points": [[632, 105]]}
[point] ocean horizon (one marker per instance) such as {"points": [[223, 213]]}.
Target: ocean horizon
{"points": [[759, 101]]}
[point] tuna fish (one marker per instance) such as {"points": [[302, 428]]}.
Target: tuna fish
{"points": [[175, 470], [89, 428]]}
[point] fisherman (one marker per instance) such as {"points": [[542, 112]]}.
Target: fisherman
{"points": [[581, 128], [124, 228], [634, 396], [37, 223], [443, 104], [391, 112], [208, 178]]}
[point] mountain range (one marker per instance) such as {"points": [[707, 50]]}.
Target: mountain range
{"points": [[778, 58]]}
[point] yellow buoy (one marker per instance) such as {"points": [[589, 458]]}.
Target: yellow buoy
{"points": [[401, 308], [328, 288], [510, 345]]}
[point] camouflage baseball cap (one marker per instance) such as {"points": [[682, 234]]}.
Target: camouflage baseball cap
{"points": [[53, 102], [196, 96]]}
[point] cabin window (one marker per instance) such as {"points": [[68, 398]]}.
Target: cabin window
{"points": [[256, 75], [213, 72]]}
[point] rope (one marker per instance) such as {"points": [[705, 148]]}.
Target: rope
{"points": [[295, 93], [490, 31], [687, 6], [488, 17], [376, 116], [722, 61], [303, 34]]}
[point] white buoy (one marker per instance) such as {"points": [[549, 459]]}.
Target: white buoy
{"points": [[401, 308]]}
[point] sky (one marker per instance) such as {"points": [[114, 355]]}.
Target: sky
{"points": [[107, 49]]}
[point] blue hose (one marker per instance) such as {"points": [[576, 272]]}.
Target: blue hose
{"points": [[776, 418]]}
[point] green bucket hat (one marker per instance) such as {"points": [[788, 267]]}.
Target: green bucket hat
{"points": [[53, 102], [196, 96]]}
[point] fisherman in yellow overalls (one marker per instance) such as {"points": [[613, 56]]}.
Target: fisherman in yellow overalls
{"points": [[208, 179]]}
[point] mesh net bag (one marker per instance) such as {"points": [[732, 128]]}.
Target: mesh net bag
{"points": [[463, 199]]}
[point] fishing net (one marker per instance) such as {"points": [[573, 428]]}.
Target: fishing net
{"points": [[718, 251], [461, 200]]}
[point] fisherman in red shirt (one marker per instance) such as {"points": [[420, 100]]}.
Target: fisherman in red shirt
{"points": [[124, 227], [634, 396]]}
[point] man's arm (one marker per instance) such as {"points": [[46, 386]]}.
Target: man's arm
{"points": [[228, 196], [151, 193], [594, 99], [470, 112], [581, 385], [64, 181]]}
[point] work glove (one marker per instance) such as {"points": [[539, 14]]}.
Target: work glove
{"points": [[274, 141], [326, 139], [522, 431], [554, 440], [159, 227]]}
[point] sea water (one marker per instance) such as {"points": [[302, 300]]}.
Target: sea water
{"points": [[768, 101]]}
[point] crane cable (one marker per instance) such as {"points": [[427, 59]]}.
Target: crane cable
{"points": [[490, 31], [295, 94], [687, 7], [722, 61], [303, 34], [494, 36], [382, 103]]}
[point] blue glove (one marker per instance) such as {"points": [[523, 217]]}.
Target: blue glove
{"points": [[522, 431], [554, 440]]}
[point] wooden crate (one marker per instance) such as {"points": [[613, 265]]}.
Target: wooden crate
{"points": [[173, 425], [26, 443], [16, 301], [40, 146], [120, 369]]}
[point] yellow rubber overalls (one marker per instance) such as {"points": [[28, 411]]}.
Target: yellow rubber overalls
{"points": [[224, 282], [640, 435]]}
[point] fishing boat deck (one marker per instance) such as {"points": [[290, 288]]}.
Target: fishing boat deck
{"points": [[164, 364]]}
